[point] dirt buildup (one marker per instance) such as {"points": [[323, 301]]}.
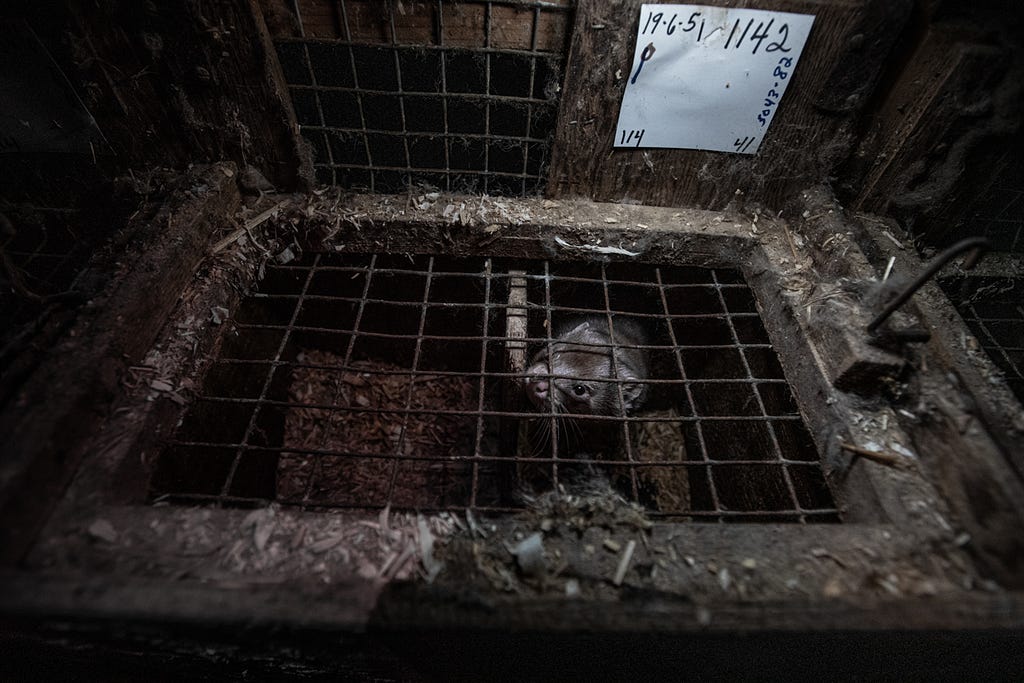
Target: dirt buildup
{"points": [[371, 446]]}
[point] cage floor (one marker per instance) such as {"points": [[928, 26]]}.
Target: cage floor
{"points": [[360, 381], [993, 308]]}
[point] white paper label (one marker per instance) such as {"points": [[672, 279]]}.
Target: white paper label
{"points": [[708, 78]]}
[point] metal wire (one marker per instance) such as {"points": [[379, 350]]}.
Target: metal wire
{"points": [[521, 141], [993, 309], [234, 419]]}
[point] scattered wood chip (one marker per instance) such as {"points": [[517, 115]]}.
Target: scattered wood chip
{"points": [[326, 543], [620, 572], [529, 554], [724, 578], [612, 545], [431, 565], [103, 530], [218, 314], [369, 442]]}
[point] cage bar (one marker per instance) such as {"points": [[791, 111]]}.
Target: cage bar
{"points": [[387, 112], [430, 335]]}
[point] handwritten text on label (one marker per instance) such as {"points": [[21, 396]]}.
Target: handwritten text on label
{"points": [[708, 78]]}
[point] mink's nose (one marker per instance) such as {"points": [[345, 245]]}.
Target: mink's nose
{"points": [[537, 391]]}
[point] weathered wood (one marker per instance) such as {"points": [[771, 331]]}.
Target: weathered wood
{"points": [[811, 134], [930, 147], [358, 604], [48, 422], [418, 23], [143, 630], [186, 82]]}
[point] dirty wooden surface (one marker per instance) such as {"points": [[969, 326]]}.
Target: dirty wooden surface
{"points": [[928, 150], [48, 422], [812, 133], [417, 23], [183, 82]]}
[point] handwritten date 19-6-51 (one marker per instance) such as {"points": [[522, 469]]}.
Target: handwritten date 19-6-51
{"points": [[740, 33]]}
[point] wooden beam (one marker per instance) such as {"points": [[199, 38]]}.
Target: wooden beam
{"points": [[182, 82], [46, 424]]}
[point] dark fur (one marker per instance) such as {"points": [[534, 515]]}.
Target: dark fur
{"points": [[582, 357]]}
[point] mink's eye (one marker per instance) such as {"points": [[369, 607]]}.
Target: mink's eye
{"points": [[579, 390]]}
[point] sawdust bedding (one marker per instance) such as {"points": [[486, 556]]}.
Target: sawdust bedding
{"points": [[368, 455]]}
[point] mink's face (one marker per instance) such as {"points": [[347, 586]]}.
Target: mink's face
{"points": [[586, 374], [579, 391]]}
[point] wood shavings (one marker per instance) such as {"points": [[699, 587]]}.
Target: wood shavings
{"points": [[246, 227], [724, 578], [103, 530], [879, 455], [261, 524], [360, 443], [892, 238], [218, 314], [627, 557], [431, 565], [597, 249], [529, 554]]}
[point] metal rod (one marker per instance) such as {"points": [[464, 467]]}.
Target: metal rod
{"points": [[978, 246]]}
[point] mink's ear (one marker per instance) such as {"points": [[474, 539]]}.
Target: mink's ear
{"points": [[579, 329], [633, 394]]}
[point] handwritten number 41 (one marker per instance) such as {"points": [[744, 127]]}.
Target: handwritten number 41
{"points": [[743, 144]]}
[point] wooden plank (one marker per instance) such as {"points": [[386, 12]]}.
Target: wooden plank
{"points": [[349, 605], [928, 151], [642, 637], [464, 25], [320, 19], [416, 23], [809, 136], [186, 83], [82, 374]]}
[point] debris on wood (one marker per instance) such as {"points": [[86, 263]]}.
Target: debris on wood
{"points": [[627, 557], [431, 565], [881, 456], [529, 554], [218, 314], [103, 530]]}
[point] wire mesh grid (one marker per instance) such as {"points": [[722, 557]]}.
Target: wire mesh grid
{"points": [[41, 253], [997, 211], [460, 96], [41, 258], [361, 381], [1000, 210], [993, 309]]}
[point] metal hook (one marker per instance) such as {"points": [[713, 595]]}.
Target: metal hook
{"points": [[977, 245]]}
